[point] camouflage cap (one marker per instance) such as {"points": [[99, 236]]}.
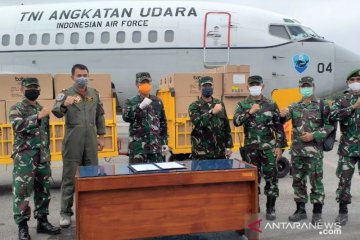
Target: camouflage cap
{"points": [[306, 79], [353, 74], [255, 79], [141, 76], [29, 81], [205, 80]]}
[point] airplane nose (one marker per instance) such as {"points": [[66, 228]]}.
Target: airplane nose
{"points": [[345, 62]]}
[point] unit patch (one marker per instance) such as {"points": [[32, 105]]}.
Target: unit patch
{"points": [[60, 97]]}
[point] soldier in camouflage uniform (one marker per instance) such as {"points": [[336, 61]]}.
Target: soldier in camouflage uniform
{"points": [[84, 120], [310, 128], [346, 110], [148, 126], [264, 138], [31, 155], [211, 134]]}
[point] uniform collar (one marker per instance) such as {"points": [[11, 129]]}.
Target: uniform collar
{"points": [[203, 101], [27, 103], [78, 90]]}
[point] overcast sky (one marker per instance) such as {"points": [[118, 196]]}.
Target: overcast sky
{"points": [[336, 20]]}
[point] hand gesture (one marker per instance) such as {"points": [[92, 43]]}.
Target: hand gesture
{"points": [[69, 101], [283, 112], [217, 108], [43, 113], [307, 137], [254, 108], [146, 102]]}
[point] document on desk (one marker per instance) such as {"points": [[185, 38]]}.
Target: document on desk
{"points": [[170, 165], [144, 167]]}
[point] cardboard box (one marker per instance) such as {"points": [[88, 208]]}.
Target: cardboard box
{"points": [[108, 108], [229, 69], [187, 84], [182, 106], [235, 84], [231, 103], [45, 103], [3, 113], [11, 86], [101, 82]]}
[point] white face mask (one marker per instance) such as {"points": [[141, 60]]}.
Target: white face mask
{"points": [[255, 91], [355, 86]]}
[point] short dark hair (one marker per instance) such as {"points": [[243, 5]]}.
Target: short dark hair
{"points": [[78, 66]]}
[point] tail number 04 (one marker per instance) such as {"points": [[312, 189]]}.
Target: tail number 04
{"points": [[324, 67]]}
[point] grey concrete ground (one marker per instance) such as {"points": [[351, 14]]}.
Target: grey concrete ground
{"points": [[285, 207]]}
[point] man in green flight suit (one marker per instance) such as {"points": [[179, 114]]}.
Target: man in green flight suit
{"points": [[84, 120], [211, 134], [310, 127], [346, 110], [148, 126], [264, 138], [31, 154]]}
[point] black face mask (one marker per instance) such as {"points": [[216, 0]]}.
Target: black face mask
{"points": [[32, 94]]}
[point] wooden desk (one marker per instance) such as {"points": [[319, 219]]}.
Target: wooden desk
{"points": [[163, 204]]}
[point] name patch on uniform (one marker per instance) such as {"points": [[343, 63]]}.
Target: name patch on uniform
{"points": [[60, 97], [89, 98]]}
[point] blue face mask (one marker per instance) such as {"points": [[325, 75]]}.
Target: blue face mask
{"points": [[81, 81], [306, 91], [207, 91]]}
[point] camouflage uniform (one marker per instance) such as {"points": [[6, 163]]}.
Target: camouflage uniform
{"points": [[307, 157], [84, 120], [31, 155], [349, 146], [211, 134], [148, 127], [263, 133]]}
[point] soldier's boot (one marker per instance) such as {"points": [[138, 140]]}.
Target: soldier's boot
{"points": [[24, 231], [299, 214], [317, 212], [43, 226], [342, 218], [270, 208]]}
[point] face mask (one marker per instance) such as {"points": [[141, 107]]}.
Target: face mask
{"points": [[355, 86], [145, 88], [32, 94], [81, 81], [255, 91], [306, 92], [207, 91]]}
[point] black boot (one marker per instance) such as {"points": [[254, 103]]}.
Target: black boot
{"points": [[317, 211], [43, 226], [342, 218], [299, 214], [270, 208], [24, 231]]}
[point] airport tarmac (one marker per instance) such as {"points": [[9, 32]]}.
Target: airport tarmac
{"points": [[280, 230]]}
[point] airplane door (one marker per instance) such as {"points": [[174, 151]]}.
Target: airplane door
{"points": [[216, 43]]}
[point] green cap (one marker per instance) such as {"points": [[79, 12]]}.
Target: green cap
{"points": [[255, 79], [354, 73], [29, 81], [141, 76], [306, 79], [206, 79]]}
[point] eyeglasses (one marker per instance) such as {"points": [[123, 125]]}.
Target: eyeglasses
{"points": [[354, 79]]}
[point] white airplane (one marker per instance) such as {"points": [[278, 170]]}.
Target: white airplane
{"points": [[125, 37]]}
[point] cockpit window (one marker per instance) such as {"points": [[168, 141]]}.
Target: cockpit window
{"points": [[297, 32], [279, 31], [310, 32]]}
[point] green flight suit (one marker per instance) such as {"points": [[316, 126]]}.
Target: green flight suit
{"points": [[84, 120]]}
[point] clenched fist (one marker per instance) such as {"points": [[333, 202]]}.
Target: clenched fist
{"points": [[43, 113], [217, 108]]}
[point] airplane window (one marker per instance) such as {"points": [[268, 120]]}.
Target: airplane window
{"points": [[89, 38], [19, 39], [74, 38], [136, 36], [59, 38], [152, 36], [279, 31], [169, 36], [297, 32], [310, 32], [105, 37], [5, 40], [45, 39], [32, 39], [120, 37]]}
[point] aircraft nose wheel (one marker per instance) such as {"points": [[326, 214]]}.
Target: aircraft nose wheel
{"points": [[283, 166]]}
